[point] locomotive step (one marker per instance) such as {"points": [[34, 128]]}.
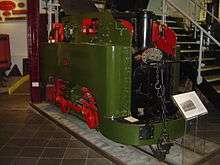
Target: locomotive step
{"points": [[212, 78], [210, 68], [217, 88]]}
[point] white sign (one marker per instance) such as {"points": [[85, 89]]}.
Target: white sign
{"points": [[35, 84], [131, 119], [190, 105]]}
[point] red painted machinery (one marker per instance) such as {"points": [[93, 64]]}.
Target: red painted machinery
{"points": [[57, 33], [86, 104], [90, 25], [5, 55], [164, 38]]}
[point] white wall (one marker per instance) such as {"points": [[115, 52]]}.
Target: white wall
{"points": [[17, 31]]}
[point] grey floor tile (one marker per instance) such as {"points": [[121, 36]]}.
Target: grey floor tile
{"points": [[17, 142], [31, 152], [43, 135], [94, 154], [6, 160], [24, 134], [53, 153], [25, 161], [98, 162], [213, 161], [32, 127], [3, 140], [37, 142], [7, 134], [73, 138], [61, 135], [76, 144], [9, 151], [63, 143], [49, 162], [75, 153], [48, 127], [73, 162]]}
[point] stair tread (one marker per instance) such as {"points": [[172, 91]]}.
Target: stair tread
{"points": [[171, 18], [167, 21], [203, 59], [176, 28], [217, 88], [212, 78], [187, 42], [196, 50], [208, 59], [184, 35], [211, 67]]}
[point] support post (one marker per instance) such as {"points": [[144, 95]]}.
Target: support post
{"points": [[49, 13], [164, 11], [195, 17], [33, 49], [199, 77], [56, 3]]}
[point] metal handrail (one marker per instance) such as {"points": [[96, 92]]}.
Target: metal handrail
{"points": [[202, 32], [193, 21], [201, 7]]}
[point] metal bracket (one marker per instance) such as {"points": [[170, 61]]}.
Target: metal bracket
{"points": [[146, 132]]}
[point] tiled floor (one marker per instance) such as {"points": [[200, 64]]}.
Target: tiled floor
{"points": [[26, 138]]}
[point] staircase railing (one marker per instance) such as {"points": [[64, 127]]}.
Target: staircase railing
{"points": [[204, 9], [202, 33], [213, 17]]}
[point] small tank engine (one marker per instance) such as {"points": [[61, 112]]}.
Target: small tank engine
{"points": [[114, 69]]}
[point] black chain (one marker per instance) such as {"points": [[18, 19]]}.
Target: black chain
{"points": [[160, 88], [163, 144]]}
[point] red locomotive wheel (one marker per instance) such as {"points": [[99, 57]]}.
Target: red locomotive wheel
{"points": [[7, 5], [6, 13]]}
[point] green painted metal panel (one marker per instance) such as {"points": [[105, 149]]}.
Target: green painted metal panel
{"points": [[109, 31], [107, 71], [104, 69], [129, 133]]}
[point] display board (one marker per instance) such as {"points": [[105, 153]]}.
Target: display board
{"points": [[190, 105], [13, 10]]}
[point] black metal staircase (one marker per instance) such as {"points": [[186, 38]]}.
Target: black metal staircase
{"points": [[188, 50]]}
